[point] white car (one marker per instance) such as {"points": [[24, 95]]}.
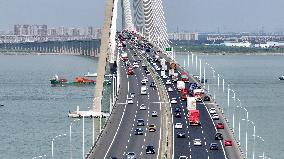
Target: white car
{"points": [[143, 82], [168, 82], [142, 107], [135, 66], [212, 111], [183, 157], [174, 101], [178, 126], [146, 79], [165, 77], [154, 114], [129, 100], [170, 89], [215, 117], [143, 65], [132, 95], [197, 142]]}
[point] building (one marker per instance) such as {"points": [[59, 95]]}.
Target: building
{"points": [[75, 32], [33, 30], [237, 44], [183, 36]]}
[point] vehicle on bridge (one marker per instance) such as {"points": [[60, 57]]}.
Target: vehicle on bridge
{"points": [[184, 93], [152, 128], [130, 71], [150, 149], [143, 90], [193, 114], [124, 56], [131, 155], [180, 85], [138, 131], [214, 146], [184, 77], [175, 77]]}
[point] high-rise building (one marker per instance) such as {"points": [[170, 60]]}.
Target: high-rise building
{"points": [[17, 29], [75, 32], [91, 30]]}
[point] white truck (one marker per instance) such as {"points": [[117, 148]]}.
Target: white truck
{"points": [[191, 103], [180, 85]]}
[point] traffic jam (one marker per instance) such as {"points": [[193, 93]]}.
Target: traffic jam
{"points": [[191, 116]]}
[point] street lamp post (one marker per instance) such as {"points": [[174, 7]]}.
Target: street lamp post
{"points": [[246, 128], [263, 150], [52, 141], [70, 136], [253, 148]]}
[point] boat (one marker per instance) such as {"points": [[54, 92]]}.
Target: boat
{"points": [[281, 78], [78, 81]]}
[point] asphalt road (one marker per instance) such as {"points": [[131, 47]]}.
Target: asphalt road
{"points": [[121, 138], [206, 132]]}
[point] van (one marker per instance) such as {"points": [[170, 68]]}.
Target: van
{"points": [[143, 90]]}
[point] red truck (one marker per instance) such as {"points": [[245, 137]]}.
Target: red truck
{"points": [[193, 116], [184, 93], [184, 77], [130, 71]]}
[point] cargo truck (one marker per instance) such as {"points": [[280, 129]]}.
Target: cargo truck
{"points": [[193, 114]]}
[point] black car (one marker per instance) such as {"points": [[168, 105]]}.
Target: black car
{"points": [[180, 135], [150, 149], [147, 72], [178, 115], [177, 109], [218, 136], [214, 146], [138, 131], [206, 98], [152, 84]]}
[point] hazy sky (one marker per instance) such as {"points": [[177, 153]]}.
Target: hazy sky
{"points": [[188, 15]]}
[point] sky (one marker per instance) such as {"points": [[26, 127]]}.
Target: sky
{"points": [[181, 15]]}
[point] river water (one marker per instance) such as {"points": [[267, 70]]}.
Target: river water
{"points": [[254, 79], [34, 112]]}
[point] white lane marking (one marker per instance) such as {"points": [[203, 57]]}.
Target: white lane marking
{"points": [[173, 140], [116, 131], [128, 86], [215, 130]]}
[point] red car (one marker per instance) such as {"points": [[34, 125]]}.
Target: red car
{"points": [[220, 126], [228, 142]]}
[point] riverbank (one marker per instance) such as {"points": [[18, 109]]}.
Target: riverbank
{"points": [[236, 53]]}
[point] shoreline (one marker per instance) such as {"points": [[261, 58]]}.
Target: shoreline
{"points": [[231, 54]]}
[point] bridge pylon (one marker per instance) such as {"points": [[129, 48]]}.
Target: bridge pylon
{"points": [[104, 54]]}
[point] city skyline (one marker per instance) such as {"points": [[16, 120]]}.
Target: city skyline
{"points": [[201, 16]]}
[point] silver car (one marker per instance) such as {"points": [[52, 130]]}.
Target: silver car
{"points": [[131, 155]]}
